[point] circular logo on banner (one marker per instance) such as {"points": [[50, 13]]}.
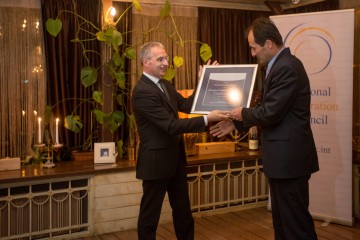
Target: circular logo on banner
{"points": [[314, 43]]}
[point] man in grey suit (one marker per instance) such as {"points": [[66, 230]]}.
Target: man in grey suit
{"points": [[289, 152], [162, 160]]}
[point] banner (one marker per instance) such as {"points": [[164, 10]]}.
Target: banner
{"points": [[324, 42]]}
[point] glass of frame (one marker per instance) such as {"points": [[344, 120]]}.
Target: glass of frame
{"points": [[224, 87], [104, 152]]}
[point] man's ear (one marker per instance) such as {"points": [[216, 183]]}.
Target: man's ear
{"points": [[268, 43], [146, 62]]}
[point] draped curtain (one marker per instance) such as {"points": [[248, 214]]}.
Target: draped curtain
{"points": [[64, 62], [184, 44], [22, 79], [225, 31]]}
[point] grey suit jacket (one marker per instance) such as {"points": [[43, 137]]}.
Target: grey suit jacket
{"points": [[284, 116], [160, 129]]}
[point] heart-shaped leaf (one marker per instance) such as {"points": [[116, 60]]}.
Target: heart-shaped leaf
{"points": [[137, 5], [53, 26], [178, 61], [120, 79], [88, 76], [98, 97], [73, 123], [205, 52], [114, 120], [99, 115], [166, 9], [117, 59], [170, 73], [116, 40], [118, 117], [130, 53]]}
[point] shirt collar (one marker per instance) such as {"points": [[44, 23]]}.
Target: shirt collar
{"points": [[271, 62], [152, 78]]}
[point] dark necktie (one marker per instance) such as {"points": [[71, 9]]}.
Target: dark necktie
{"points": [[162, 85]]}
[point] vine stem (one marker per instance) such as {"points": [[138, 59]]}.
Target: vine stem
{"points": [[79, 16]]}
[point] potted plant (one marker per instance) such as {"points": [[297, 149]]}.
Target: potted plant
{"points": [[115, 65]]}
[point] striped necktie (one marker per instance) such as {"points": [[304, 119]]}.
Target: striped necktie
{"points": [[267, 71], [163, 88]]}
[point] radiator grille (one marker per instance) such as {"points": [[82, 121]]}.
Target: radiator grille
{"points": [[219, 186], [45, 210]]}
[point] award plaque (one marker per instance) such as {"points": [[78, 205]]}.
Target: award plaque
{"points": [[224, 87]]}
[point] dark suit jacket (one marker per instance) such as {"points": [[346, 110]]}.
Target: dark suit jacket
{"points": [[160, 129], [284, 116]]}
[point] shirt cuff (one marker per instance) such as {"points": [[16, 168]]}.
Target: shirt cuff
{"points": [[205, 120]]}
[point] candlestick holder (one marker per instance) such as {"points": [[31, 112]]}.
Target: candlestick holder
{"points": [[50, 149], [39, 145]]}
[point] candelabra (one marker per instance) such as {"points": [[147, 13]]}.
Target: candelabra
{"points": [[50, 148]]}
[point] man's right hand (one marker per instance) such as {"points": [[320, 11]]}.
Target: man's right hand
{"points": [[217, 115], [222, 128]]}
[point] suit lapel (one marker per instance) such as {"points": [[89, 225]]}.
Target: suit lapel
{"points": [[171, 101], [268, 77]]}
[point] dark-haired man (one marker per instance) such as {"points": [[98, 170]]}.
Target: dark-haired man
{"points": [[289, 153]]}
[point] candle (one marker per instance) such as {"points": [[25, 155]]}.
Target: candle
{"points": [[39, 132], [57, 131]]}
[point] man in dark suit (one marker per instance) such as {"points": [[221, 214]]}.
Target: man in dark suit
{"points": [[289, 153], [162, 160]]}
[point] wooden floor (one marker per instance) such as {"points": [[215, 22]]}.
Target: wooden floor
{"points": [[254, 224]]}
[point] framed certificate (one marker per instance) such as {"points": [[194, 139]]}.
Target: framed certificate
{"points": [[224, 87]]}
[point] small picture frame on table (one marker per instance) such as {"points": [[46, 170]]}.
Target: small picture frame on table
{"points": [[104, 152]]}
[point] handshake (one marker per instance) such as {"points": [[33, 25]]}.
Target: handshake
{"points": [[226, 125], [218, 115]]}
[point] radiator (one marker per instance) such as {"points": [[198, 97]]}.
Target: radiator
{"points": [[227, 186], [45, 209]]}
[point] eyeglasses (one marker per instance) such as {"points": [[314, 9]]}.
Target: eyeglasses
{"points": [[161, 59]]}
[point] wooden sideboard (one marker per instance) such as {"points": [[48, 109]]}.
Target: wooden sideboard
{"points": [[78, 198]]}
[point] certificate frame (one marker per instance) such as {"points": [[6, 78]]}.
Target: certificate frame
{"points": [[224, 87], [104, 152]]}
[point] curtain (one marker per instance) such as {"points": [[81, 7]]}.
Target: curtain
{"points": [[22, 79], [225, 31], [65, 60], [185, 21], [316, 7]]}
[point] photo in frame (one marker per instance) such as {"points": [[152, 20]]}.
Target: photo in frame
{"points": [[224, 87], [104, 152]]}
